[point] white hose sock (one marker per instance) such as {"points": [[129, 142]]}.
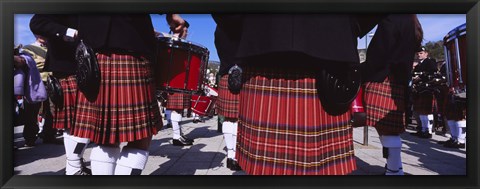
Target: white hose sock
{"points": [[227, 128], [394, 161], [177, 130], [132, 161], [103, 160], [74, 148]]}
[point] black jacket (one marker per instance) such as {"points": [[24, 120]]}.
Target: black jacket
{"points": [[392, 50], [60, 54], [227, 37], [428, 65], [112, 33], [131, 33], [315, 36]]}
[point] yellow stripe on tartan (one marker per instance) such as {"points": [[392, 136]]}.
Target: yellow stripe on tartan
{"points": [[280, 89], [299, 133], [297, 163]]}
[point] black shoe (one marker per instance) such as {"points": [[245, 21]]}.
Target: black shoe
{"points": [[29, 144], [181, 142], [187, 139], [425, 135], [168, 125], [455, 144], [83, 170], [52, 140], [233, 165], [418, 133], [445, 142], [196, 121]]}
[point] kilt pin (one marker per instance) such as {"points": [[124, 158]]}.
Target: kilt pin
{"points": [[228, 102], [126, 108], [293, 134], [385, 106]]}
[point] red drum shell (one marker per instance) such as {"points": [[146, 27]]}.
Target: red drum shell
{"points": [[180, 65], [203, 105], [456, 71]]}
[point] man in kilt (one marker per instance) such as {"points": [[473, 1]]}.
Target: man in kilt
{"points": [[125, 108], [176, 103], [283, 127], [59, 29], [424, 100], [386, 74], [454, 110], [228, 98]]}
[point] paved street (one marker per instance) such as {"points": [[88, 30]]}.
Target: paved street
{"points": [[208, 154]]}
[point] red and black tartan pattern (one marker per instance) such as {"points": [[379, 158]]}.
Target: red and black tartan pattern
{"points": [[385, 106], [178, 101], [126, 108], [283, 129], [63, 117], [227, 103], [450, 109], [424, 103]]}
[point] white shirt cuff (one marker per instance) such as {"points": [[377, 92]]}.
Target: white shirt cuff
{"points": [[70, 33]]}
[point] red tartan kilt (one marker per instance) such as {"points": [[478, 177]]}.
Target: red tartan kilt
{"points": [[63, 116], [424, 103], [453, 110], [227, 103], [283, 129], [126, 108], [385, 107], [178, 101]]}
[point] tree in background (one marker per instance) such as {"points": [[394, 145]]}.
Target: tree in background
{"points": [[435, 50]]}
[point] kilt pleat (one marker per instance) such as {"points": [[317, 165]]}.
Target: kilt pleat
{"points": [[126, 108], [283, 129], [63, 116], [450, 109], [178, 101], [424, 103], [227, 103], [385, 106]]}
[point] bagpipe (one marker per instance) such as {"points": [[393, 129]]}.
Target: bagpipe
{"points": [[425, 82]]}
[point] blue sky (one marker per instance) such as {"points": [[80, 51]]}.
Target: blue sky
{"points": [[202, 27]]}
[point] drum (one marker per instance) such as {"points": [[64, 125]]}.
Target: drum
{"points": [[203, 105], [210, 91], [455, 48], [180, 65]]}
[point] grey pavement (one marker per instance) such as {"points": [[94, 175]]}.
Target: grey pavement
{"points": [[208, 154]]}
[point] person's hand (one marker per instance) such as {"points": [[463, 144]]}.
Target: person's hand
{"points": [[178, 25], [19, 61]]}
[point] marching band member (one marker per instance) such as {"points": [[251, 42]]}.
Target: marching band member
{"points": [[176, 103], [284, 127], [228, 101], [386, 74], [125, 108], [59, 29], [424, 102]]}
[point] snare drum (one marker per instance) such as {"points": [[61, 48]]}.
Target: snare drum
{"points": [[180, 65], [455, 48], [203, 105]]}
